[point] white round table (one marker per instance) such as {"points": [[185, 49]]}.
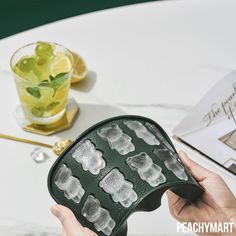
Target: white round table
{"points": [[155, 59]]}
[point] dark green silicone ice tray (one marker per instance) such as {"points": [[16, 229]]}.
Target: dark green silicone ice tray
{"points": [[116, 167]]}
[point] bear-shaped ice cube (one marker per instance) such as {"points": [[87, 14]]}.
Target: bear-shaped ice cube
{"points": [[120, 189], [89, 157], [142, 132], [97, 215], [158, 134], [117, 139], [147, 170], [171, 162], [70, 185]]}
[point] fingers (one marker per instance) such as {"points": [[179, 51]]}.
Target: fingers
{"points": [[176, 204], [89, 232], [198, 171], [63, 233], [70, 224]]}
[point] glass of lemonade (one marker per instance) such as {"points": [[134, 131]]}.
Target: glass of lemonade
{"points": [[42, 73]]}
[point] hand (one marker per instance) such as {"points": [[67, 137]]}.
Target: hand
{"points": [[218, 204], [70, 225]]}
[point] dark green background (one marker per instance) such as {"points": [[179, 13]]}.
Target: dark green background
{"points": [[19, 15]]}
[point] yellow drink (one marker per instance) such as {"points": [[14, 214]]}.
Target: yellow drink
{"points": [[42, 75]]}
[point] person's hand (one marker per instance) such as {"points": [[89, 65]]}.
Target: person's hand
{"points": [[70, 225], [218, 203]]}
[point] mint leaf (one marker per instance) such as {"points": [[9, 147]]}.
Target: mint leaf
{"points": [[60, 75], [34, 91], [51, 77], [51, 106], [53, 82], [38, 111], [45, 83], [58, 81]]}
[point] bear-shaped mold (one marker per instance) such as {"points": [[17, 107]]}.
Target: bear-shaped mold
{"points": [[97, 215], [120, 189], [89, 157], [70, 185], [128, 183], [147, 170], [142, 132], [117, 139], [171, 162]]}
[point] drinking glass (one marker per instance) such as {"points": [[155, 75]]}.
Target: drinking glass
{"points": [[42, 73]]}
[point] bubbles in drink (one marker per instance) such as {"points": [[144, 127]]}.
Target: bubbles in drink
{"points": [[89, 157], [171, 162], [147, 170], [120, 189], [117, 139], [97, 215], [70, 185], [142, 132], [158, 134]]}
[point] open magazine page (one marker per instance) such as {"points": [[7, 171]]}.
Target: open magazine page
{"points": [[211, 125]]}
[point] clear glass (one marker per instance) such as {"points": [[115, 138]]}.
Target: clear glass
{"points": [[42, 73]]}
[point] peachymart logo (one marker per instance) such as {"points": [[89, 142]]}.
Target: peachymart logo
{"points": [[205, 227]]}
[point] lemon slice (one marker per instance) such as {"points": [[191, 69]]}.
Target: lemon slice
{"points": [[79, 68], [61, 63]]}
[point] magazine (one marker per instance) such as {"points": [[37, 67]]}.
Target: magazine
{"points": [[210, 127]]}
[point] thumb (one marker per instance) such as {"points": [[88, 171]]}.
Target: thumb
{"points": [[69, 223], [198, 171], [176, 204]]}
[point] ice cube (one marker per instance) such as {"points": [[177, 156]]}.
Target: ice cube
{"points": [[117, 139], [120, 189], [142, 132], [171, 162], [38, 155], [97, 215], [75, 190], [90, 158], [147, 170], [158, 134], [70, 185], [63, 177]]}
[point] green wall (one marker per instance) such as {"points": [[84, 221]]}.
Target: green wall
{"points": [[19, 15]]}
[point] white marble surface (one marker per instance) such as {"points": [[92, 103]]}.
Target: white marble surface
{"points": [[154, 59]]}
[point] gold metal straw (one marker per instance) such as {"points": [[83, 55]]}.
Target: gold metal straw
{"points": [[22, 140], [58, 147]]}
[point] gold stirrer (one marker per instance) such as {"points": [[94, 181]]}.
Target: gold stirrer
{"points": [[57, 148]]}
